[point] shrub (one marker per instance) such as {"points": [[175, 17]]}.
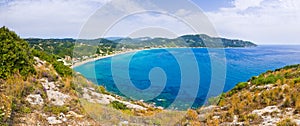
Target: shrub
{"points": [[286, 122], [60, 68], [241, 85], [291, 66], [237, 88], [118, 105], [25, 110], [16, 56], [297, 80], [253, 117], [1, 115], [271, 79], [297, 104], [56, 109], [287, 102], [101, 89], [191, 115]]}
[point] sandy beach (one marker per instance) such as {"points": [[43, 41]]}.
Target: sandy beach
{"points": [[102, 57], [120, 53]]}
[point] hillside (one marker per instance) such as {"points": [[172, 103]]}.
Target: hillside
{"points": [[36, 89], [272, 98], [88, 47]]}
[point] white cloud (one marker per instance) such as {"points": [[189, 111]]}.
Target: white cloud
{"points": [[264, 21], [261, 21], [245, 4], [47, 18]]}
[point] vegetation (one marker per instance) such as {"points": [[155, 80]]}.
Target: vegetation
{"points": [[60, 68], [20, 76], [16, 55], [279, 88], [273, 88], [286, 122], [83, 47], [56, 109], [118, 105]]}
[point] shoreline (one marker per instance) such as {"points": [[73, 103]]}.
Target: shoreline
{"points": [[102, 57], [131, 51], [111, 55]]}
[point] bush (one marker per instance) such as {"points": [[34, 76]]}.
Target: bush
{"points": [[101, 89], [1, 115], [25, 110], [118, 105], [286, 122], [291, 66], [261, 80], [297, 80], [241, 85], [56, 109], [237, 88], [16, 56]]}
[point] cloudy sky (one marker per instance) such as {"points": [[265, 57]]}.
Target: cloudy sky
{"points": [[260, 21]]}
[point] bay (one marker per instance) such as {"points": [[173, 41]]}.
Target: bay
{"points": [[162, 71]]}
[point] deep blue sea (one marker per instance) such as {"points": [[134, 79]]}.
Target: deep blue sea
{"points": [[177, 78]]}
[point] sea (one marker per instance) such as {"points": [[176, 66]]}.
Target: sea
{"points": [[181, 78]]}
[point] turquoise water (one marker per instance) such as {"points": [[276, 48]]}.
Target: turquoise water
{"points": [[161, 70]]}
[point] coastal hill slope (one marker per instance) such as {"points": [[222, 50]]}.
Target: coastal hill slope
{"points": [[36, 89], [102, 46], [272, 98]]}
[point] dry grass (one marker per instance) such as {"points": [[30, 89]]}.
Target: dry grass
{"points": [[107, 115]]}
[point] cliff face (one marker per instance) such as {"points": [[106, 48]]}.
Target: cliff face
{"points": [[272, 98]]}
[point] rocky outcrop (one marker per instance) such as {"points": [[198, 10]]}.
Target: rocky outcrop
{"points": [[35, 99], [94, 97], [56, 97]]}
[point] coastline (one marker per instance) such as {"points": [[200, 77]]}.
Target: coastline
{"points": [[102, 57], [111, 55], [130, 51]]}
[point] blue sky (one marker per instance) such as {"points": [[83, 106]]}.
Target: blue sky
{"points": [[213, 5], [260, 21]]}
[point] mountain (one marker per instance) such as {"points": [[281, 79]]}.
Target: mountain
{"points": [[272, 98]]}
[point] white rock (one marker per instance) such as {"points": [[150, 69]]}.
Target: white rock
{"points": [[269, 121], [123, 123], [297, 121], [216, 117], [56, 97], [74, 114], [268, 109], [35, 99], [39, 62], [53, 120], [62, 117]]}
